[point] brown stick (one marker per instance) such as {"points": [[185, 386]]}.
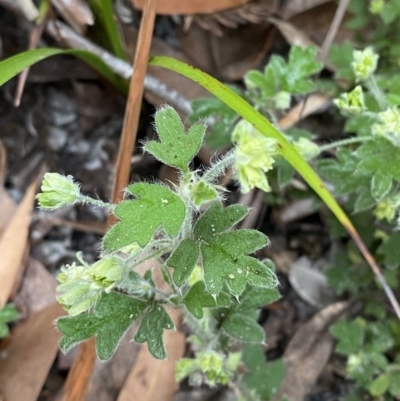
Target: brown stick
{"points": [[131, 121]]}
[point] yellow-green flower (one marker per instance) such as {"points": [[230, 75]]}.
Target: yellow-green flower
{"points": [[388, 208], [253, 157], [57, 191], [376, 6], [388, 125], [106, 273], [351, 103], [365, 63]]}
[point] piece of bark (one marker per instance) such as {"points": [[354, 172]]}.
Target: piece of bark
{"points": [[153, 379], [13, 245], [37, 290], [308, 352], [27, 355]]}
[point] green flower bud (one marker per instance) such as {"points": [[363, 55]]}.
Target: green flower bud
{"points": [[106, 273], [58, 191], [365, 63], [352, 103], [376, 6], [202, 192], [77, 296], [211, 363], [253, 157], [76, 293], [308, 149], [184, 368], [282, 100], [387, 208], [388, 125]]}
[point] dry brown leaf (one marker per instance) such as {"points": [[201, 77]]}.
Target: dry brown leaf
{"points": [[37, 291], [231, 55], [293, 35], [308, 106], [172, 7], [27, 355], [13, 244], [7, 207], [315, 23], [152, 379], [308, 352], [108, 377]]}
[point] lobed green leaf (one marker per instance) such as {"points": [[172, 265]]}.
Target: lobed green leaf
{"points": [[176, 147], [198, 298], [151, 330], [156, 206], [111, 318]]}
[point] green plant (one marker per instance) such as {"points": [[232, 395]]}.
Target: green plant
{"points": [[205, 263], [207, 272], [7, 315]]}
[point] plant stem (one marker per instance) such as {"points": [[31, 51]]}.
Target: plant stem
{"points": [[344, 142], [376, 92], [153, 255], [219, 167], [96, 202]]}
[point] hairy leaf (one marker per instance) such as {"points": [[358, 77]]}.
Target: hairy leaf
{"points": [[350, 335], [258, 370], [243, 328], [341, 173], [183, 260], [256, 297], [156, 206], [151, 330], [379, 155], [198, 298], [109, 321], [225, 253], [381, 185], [176, 147], [391, 251]]}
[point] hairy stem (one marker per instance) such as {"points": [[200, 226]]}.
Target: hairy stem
{"points": [[219, 167], [344, 142], [96, 202]]}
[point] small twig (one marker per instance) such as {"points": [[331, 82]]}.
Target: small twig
{"points": [[330, 37], [71, 39]]}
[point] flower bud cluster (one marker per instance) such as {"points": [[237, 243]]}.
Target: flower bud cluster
{"points": [[388, 208], [351, 103], [208, 367], [388, 125], [81, 286], [364, 64]]}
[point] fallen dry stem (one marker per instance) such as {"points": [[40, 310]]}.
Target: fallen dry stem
{"points": [[71, 39]]}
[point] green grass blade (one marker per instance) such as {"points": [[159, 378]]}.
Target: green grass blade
{"points": [[107, 27], [12, 66]]}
